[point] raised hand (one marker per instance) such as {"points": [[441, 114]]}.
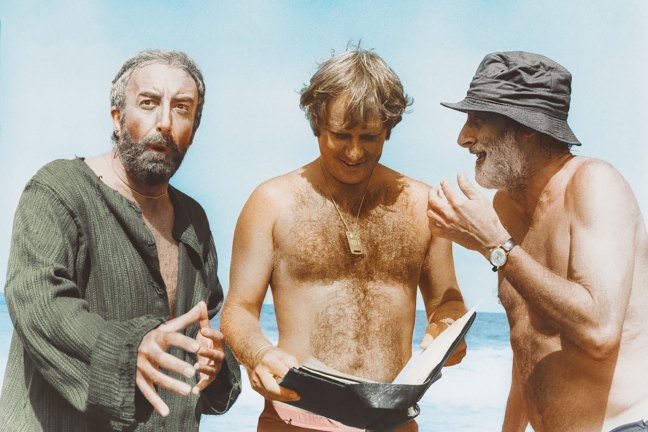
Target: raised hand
{"points": [[211, 353], [152, 356], [468, 220]]}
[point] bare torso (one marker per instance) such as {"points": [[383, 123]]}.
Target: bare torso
{"points": [[354, 313], [563, 388]]}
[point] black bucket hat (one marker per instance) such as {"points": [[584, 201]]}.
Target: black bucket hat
{"points": [[528, 88]]}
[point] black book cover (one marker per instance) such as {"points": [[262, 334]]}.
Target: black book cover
{"points": [[375, 406]]}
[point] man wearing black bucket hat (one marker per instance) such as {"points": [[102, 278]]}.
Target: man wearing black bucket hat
{"points": [[569, 243]]}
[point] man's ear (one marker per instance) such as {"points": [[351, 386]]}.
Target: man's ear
{"points": [[116, 114], [526, 134]]}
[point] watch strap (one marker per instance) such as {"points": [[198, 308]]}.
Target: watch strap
{"points": [[507, 247]]}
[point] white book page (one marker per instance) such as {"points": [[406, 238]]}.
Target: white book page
{"points": [[418, 368]]}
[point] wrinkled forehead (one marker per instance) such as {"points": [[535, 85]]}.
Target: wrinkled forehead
{"points": [[160, 77]]}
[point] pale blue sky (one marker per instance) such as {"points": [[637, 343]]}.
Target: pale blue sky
{"points": [[56, 64]]}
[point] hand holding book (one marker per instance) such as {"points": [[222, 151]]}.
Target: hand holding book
{"points": [[434, 329], [440, 352], [271, 363], [373, 405]]}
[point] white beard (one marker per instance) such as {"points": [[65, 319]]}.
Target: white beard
{"points": [[504, 165]]}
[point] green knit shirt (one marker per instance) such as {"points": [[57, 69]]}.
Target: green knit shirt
{"points": [[83, 287]]}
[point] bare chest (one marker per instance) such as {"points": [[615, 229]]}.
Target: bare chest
{"points": [[167, 249], [546, 237], [313, 245]]}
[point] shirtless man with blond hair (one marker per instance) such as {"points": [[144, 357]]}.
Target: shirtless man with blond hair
{"points": [[569, 243], [343, 242]]}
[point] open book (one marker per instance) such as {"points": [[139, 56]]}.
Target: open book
{"points": [[374, 405]]}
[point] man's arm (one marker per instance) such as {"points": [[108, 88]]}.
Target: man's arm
{"points": [[91, 362], [441, 294], [250, 273], [588, 305]]}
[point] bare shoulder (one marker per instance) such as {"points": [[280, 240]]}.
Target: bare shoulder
{"points": [[594, 177], [408, 199], [595, 185], [270, 200], [277, 190], [409, 190]]}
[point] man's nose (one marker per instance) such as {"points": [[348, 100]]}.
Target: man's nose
{"points": [[466, 136], [164, 119], [354, 151]]}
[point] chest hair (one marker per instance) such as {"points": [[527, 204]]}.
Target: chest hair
{"points": [[161, 226], [316, 248]]}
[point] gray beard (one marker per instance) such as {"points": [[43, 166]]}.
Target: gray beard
{"points": [[147, 167], [504, 167]]}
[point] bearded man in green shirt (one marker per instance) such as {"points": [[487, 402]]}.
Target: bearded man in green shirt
{"points": [[112, 276]]}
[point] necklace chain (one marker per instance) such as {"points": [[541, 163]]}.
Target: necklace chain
{"points": [[353, 236], [125, 183]]}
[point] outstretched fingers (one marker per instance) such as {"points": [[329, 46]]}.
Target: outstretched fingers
{"points": [[211, 353], [209, 364], [436, 202], [172, 363], [148, 391], [195, 314], [179, 340], [467, 187], [152, 357], [203, 321], [153, 375]]}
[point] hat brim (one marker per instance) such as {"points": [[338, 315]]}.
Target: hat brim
{"points": [[536, 120]]}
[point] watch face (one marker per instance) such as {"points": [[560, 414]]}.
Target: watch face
{"points": [[498, 257]]}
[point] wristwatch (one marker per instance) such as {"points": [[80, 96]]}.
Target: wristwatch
{"points": [[499, 254]]}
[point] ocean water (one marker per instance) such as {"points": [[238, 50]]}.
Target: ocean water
{"points": [[470, 396]]}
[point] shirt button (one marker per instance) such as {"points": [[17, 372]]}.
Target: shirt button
{"points": [[159, 289]]}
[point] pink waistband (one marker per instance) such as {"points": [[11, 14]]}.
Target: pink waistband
{"points": [[300, 418]]}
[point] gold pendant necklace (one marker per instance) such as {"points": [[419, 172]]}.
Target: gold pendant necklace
{"points": [[353, 235]]}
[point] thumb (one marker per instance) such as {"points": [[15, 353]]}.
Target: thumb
{"points": [[182, 321], [426, 341], [467, 187], [204, 315]]}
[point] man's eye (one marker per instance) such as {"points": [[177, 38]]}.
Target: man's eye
{"points": [[147, 103], [369, 138], [341, 136], [183, 107], [475, 121]]}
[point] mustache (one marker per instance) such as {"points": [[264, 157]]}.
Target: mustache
{"points": [[160, 140]]}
